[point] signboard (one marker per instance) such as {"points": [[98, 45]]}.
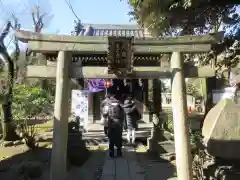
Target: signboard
{"points": [[79, 106], [120, 52]]}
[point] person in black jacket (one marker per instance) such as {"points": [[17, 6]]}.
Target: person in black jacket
{"points": [[132, 115], [115, 125]]}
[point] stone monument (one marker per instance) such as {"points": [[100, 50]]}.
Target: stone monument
{"points": [[221, 137], [221, 130]]}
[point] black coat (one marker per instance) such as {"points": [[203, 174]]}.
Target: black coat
{"points": [[132, 115], [115, 117]]}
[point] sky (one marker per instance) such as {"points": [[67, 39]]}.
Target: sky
{"points": [[60, 19], [88, 11]]}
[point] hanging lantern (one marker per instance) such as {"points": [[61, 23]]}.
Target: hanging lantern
{"points": [[108, 84], [190, 110]]}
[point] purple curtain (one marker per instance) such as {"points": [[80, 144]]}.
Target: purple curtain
{"points": [[96, 85]]}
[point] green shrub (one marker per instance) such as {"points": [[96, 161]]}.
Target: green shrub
{"points": [[29, 101]]}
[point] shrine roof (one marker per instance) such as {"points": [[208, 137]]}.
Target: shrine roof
{"points": [[112, 30]]}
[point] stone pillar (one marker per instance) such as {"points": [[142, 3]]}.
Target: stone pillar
{"points": [[146, 117], [181, 130], [61, 113]]}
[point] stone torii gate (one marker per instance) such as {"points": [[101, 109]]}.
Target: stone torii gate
{"points": [[120, 52]]}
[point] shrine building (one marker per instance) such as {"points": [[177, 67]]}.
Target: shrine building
{"points": [[137, 87]]}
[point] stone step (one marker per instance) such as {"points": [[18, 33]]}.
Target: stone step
{"points": [[139, 134], [104, 141]]}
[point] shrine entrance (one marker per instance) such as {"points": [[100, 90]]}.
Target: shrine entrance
{"points": [[121, 88], [119, 56]]}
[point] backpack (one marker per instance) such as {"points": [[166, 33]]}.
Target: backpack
{"points": [[115, 111]]}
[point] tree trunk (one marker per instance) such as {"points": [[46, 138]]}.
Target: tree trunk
{"points": [[8, 129]]}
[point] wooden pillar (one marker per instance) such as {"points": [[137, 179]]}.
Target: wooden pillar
{"points": [[61, 114], [90, 107], [157, 101], [157, 90], [146, 117], [179, 107]]}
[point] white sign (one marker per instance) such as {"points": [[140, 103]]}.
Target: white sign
{"points": [[79, 106]]}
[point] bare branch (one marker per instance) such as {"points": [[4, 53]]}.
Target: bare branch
{"points": [[71, 8], [38, 19], [33, 18], [4, 33], [37, 11]]}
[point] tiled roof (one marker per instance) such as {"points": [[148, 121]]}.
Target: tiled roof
{"points": [[112, 30]]}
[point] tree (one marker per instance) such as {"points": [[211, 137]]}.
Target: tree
{"points": [[15, 54], [7, 126], [174, 17], [196, 17], [40, 18]]}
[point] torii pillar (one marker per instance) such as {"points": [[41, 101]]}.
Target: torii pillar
{"points": [[181, 127], [61, 113]]}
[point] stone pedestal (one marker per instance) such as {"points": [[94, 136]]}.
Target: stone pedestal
{"points": [[156, 143]]}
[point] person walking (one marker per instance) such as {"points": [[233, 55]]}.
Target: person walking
{"points": [[115, 118], [132, 115]]}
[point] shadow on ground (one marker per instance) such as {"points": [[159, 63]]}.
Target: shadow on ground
{"points": [[91, 169], [155, 167], [31, 163], [35, 164]]}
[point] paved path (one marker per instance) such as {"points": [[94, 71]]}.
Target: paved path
{"points": [[125, 167], [131, 166]]}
